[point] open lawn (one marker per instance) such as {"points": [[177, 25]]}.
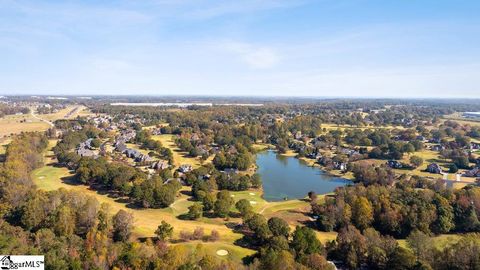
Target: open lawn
{"points": [[258, 147], [179, 157], [439, 241], [15, 124], [235, 253], [428, 157], [458, 117], [70, 112], [155, 126]]}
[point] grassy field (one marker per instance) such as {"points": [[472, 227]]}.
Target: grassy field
{"points": [[179, 156], [458, 117], [428, 157], [235, 253], [61, 114], [439, 241], [14, 124]]}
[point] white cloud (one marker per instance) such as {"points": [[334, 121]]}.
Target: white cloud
{"points": [[256, 57]]}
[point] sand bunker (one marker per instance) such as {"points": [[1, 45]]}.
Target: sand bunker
{"points": [[251, 193], [41, 177], [222, 252], [253, 202]]}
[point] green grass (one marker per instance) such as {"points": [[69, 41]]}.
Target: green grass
{"points": [[179, 157], [15, 124], [439, 241], [325, 237], [235, 253], [63, 112], [256, 200]]}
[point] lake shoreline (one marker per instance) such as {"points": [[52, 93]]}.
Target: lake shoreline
{"points": [[284, 180]]}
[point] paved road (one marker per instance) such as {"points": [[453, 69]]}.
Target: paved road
{"points": [[36, 117]]}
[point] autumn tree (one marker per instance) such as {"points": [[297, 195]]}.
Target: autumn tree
{"points": [[195, 211], [362, 213], [122, 225], [164, 231]]}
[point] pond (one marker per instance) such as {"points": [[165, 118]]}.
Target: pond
{"points": [[289, 177]]}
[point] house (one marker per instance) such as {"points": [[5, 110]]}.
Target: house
{"points": [[475, 172], [111, 128], [120, 146], [156, 131], [127, 135], [204, 177], [421, 138], [58, 133], [342, 166], [230, 171], [474, 146], [349, 152], [437, 147], [143, 158], [394, 164], [314, 155], [160, 165], [132, 153], [434, 168], [87, 144], [85, 149], [185, 168], [137, 156]]}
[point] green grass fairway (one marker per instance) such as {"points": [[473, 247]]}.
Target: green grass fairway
{"points": [[235, 253]]}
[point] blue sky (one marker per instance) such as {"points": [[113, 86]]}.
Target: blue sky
{"points": [[357, 48]]}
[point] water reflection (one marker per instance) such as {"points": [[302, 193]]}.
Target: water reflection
{"points": [[288, 177]]}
